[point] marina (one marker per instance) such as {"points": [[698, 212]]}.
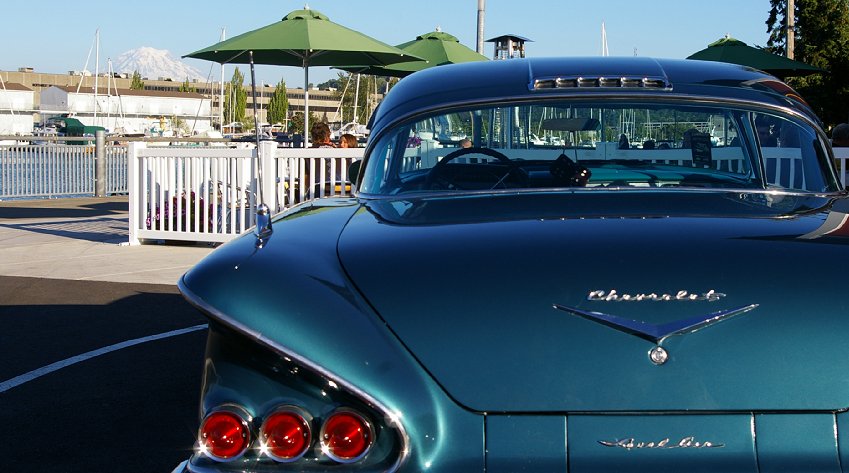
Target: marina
{"points": [[119, 184]]}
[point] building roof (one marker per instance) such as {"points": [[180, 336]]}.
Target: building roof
{"points": [[14, 86], [134, 92], [509, 36]]}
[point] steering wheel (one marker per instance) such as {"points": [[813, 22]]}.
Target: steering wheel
{"points": [[438, 171], [472, 150]]}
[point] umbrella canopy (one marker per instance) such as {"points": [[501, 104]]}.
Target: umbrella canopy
{"points": [[436, 47], [303, 38], [735, 51]]}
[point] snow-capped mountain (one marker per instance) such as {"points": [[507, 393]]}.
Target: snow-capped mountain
{"points": [[155, 63]]}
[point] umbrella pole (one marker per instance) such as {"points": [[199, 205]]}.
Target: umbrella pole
{"points": [[256, 119], [306, 104], [263, 214]]}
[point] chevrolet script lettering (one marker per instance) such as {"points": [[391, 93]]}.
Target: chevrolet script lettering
{"points": [[686, 442], [614, 296]]}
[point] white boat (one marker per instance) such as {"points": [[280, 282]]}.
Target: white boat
{"points": [[351, 128]]}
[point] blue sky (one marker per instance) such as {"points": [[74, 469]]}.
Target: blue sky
{"points": [[56, 37]]}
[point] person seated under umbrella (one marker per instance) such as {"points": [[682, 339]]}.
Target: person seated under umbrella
{"points": [[320, 136]]}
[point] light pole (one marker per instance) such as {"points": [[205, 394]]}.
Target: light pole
{"points": [[481, 13], [791, 25]]}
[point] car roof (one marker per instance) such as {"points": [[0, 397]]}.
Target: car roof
{"points": [[530, 78]]}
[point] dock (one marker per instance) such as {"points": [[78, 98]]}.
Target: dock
{"points": [[85, 239]]}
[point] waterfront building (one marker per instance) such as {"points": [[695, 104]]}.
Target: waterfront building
{"points": [[130, 111], [323, 103], [16, 109]]}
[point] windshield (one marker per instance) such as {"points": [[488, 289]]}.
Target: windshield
{"points": [[598, 145]]}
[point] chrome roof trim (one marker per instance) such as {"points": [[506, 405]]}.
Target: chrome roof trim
{"points": [[392, 420]]}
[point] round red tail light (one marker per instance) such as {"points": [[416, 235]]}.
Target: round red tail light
{"points": [[224, 436], [346, 437], [286, 435]]}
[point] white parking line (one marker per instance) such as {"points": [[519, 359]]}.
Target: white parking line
{"points": [[37, 373]]}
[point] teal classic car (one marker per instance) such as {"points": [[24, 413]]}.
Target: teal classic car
{"points": [[553, 265]]}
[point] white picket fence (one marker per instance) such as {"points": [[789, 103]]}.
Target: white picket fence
{"points": [[841, 157], [208, 194]]}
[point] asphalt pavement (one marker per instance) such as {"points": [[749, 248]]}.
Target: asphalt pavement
{"points": [[102, 356]]}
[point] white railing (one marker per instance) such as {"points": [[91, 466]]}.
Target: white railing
{"points": [[326, 171], [841, 158], [58, 170], [208, 194], [116, 169]]}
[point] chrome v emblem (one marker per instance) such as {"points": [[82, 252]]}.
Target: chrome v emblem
{"points": [[656, 333]]}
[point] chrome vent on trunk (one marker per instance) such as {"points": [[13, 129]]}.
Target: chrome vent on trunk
{"points": [[657, 83]]}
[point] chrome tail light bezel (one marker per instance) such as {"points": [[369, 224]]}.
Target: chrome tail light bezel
{"points": [[363, 420], [307, 422], [245, 420]]}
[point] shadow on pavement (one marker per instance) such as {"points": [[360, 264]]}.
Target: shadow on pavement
{"points": [[132, 410], [60, 208], [97, 229]]}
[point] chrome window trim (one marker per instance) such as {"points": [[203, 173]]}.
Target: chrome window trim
{"points": [[583, 190], [574, 94]]}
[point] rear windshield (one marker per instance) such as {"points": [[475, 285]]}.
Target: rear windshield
{"points": [[599, 145]]}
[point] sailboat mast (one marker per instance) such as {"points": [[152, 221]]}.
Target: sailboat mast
{"points": [[221, 96], [96, 70], [604, 50], [109, 81], [357, 99]]}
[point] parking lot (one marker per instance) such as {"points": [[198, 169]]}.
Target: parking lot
{"points": [[97, 376]]}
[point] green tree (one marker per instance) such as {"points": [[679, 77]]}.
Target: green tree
{"points": [[821, 40], [330, 84], [278, 105], [187, 86], [297, 122], [235, 98], [137, 83]]}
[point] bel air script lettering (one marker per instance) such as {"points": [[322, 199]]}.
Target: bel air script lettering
{"points": [[686, 442], [614, 296]]}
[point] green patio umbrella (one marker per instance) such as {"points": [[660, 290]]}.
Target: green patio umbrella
{"points": [[436, 47], [735, 51], [303, 38]]}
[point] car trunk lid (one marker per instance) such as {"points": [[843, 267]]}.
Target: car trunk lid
{"points": [[509, 312]]}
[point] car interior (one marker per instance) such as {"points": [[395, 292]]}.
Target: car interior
{"points": [[598, 145]]}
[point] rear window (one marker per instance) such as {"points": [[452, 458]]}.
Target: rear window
{"points": [[599, 145]]}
